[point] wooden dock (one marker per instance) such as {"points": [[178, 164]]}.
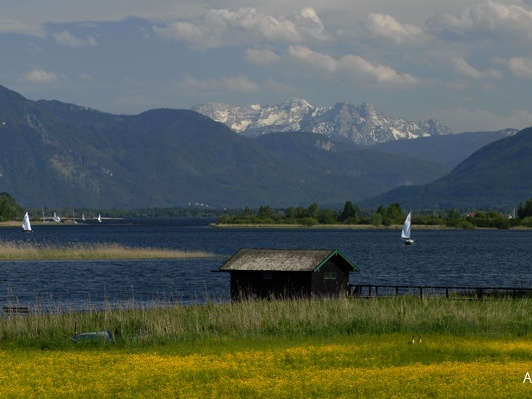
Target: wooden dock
{"points": [[451, 292]]}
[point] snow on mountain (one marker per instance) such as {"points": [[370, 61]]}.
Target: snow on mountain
{"points": [[363, 124]]}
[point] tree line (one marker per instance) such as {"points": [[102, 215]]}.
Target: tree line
{"points": [[351, 214], [383, 216]]}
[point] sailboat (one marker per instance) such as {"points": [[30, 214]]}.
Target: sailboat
{"points": [[56, 218], [99, 218], [405, 232], [83, 217], [26, 225], [73, 218]]}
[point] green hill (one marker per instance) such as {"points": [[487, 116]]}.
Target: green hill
{"points": [[499, 175], [56, 154]]}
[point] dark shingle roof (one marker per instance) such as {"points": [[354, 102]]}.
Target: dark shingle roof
{"points": [[282, 260]]}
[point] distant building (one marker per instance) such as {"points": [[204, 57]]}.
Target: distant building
{"points": [[288, 273]]}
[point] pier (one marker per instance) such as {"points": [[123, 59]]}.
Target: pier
{"points": [[424, 291]]}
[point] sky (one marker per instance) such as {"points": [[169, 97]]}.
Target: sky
{"points": [[465, 63]]}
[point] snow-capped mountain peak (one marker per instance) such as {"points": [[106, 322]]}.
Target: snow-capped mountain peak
{"points": [[363, 124]]}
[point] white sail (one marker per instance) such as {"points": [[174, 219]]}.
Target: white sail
{"points": [[56, 218], [26, 225], [83, 216], [405, 233], [99, 219]]}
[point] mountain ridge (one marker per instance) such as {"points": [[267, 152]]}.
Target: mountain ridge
{"points": [[498, 175], [363, 124], [57, 154], [61, 154]]}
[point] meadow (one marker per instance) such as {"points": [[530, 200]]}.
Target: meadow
{"points": [[327, 348]]}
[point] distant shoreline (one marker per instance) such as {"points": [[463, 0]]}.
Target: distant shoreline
{"points": [[326, 226], [66, 222]]}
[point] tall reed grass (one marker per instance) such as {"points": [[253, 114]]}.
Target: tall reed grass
{"points": [[15, 250], [135, 326]]}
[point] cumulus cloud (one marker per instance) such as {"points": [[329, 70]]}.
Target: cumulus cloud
{"points": [[519, 66], [386, 27], [309, 23], [313, 59], [39, 75], [65, 38], [217, 27], [463, 67], [349, 65], [485, 21]]}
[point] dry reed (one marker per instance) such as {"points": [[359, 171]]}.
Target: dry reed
{"points": [[11, 250]]}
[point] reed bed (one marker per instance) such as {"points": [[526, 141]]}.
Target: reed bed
{"points": [[15, 250], [137, 326]]}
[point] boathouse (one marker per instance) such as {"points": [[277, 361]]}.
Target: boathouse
{"points": [[288, 273]]}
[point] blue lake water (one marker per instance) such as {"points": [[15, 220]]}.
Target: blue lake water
{"points": [[440, 257]]}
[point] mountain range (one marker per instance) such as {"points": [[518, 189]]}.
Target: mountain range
{"points": [[56, 154], [363, 124]]}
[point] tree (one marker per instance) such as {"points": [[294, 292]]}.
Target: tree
{"points": [[265, 212], [313, 210], [391, 215], [9, 209], [525, 210], [327, 216], [350, 213]]}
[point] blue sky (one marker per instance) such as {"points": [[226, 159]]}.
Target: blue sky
{"points": [[465, 63]]}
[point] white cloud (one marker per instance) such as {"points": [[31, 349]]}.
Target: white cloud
{"points": [[521, 67], [484, 21], [464, 68], [309, 23], [313, 59], [39, 75], [217, 27], [382, 26], [65, 38], [349, 65], [360, 67]]}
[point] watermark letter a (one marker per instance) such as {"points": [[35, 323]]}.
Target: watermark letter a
{"points": [[527, 378]]}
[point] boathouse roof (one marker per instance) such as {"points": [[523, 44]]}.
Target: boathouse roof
{"points": [[304, 260]]}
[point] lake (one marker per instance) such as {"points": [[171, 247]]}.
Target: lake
{"points": [[440, 257]]}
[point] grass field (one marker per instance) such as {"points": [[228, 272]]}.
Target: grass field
{"points": [[327, 348], [359, 366]]}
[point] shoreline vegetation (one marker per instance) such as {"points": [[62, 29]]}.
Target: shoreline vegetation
{"points": [[161, 324], [323, 226], [323, 348], [19, 250], [391, 217]]}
